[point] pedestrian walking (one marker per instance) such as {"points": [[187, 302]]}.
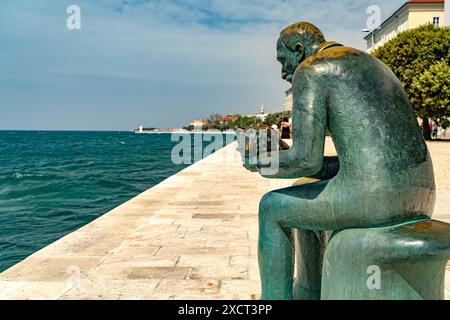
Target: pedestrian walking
{"points": [[435, 129], [444, 129]]}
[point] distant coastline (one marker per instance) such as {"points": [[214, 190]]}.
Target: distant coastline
{"points": [[180, 131]]}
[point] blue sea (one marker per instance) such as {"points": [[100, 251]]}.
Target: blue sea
{"points": [[52, 183]]}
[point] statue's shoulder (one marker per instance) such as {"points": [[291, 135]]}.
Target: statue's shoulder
{"points": [[330, 56], [340, 52]]}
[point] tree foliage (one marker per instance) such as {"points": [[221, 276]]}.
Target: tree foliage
{"points": [[419, 58], [246, 122], [213, 122], [276, 118], [431, 91]]}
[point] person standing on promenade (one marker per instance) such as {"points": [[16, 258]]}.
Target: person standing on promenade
{"points": [[435, 129], [274, 127], [444, 129], [285, 129]]}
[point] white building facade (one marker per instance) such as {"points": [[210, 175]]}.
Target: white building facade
{"points": [[412, 14]]}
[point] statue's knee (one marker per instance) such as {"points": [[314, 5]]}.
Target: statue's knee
{"points": [[265, 205]]}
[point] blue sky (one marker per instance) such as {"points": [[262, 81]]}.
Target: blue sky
{"points": [[159, 63]]}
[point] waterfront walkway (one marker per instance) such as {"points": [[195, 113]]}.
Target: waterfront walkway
{"points": [[193, 236]]}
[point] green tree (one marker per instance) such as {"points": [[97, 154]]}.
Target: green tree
{"points": [[431, 91], [410, 55], [214, 121], [246, 122], [276, 118]]}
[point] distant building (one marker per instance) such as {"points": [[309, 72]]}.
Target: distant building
{"points": [[198, 124], [142, 129], [228, 119], [412, 14], [262, 115], [288, 102]]}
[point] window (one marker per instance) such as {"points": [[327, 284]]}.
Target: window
{"points": [[436, 21]]}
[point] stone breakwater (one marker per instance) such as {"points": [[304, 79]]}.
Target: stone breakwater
{"points": [[193, 236]]}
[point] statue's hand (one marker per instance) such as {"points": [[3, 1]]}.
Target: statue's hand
{"points": [[257, 157]]}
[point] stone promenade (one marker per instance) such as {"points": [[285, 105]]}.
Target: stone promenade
{"points": [[193, 236]]}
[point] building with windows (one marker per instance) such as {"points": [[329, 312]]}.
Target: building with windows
{"points": [[412, 14]]}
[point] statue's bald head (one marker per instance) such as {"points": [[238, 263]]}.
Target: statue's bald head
{"points": [[302, 32], [297, 42]]}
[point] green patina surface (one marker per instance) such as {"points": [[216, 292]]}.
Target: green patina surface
{"points": [[383, 176]]}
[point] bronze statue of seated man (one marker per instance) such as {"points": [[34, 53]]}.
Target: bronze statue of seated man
{"points": [[383, 173]]}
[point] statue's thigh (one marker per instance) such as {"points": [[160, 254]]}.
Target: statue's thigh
{"points": [[307, 207]]}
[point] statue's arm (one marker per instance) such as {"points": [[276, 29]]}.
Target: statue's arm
{"points": [[309, 114]]}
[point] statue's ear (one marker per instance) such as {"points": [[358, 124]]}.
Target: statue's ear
{"points": [[300, 51]]}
